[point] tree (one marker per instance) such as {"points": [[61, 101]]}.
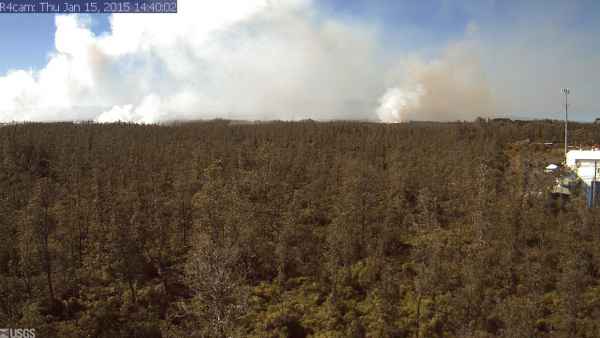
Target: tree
{"points": [[212, 273]]}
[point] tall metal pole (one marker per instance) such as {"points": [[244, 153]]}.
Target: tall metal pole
{"points": [[594, 184], [566, 91]]}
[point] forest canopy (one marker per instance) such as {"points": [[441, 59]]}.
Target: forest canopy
{"points": [[294, 229]]}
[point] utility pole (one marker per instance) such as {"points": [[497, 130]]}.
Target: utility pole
{"points": [[593, 203], [566, 91]]}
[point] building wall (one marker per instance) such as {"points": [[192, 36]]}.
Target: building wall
{"points": [[586, 165], [587, 170], [589, 173]]}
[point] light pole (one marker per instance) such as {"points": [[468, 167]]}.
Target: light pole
{"points": [[566, 91], [593, 203]]}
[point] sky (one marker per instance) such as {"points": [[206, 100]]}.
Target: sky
{"points": [[387, 61]]}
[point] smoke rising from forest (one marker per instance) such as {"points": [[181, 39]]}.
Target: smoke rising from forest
{"points": [[240, 60], [451, 88], [265, 60]]}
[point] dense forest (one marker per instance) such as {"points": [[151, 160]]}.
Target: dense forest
{"points": [[294, 229]]}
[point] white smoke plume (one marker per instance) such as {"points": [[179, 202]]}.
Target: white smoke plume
{"points": [[251, 59], [400, 105], [448, 89]]}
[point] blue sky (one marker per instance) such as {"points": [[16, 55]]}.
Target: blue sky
{"points": [[28, 39], [432, 17]]}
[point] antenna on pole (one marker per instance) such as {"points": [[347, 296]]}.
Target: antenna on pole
{"points": [[566, 91]]}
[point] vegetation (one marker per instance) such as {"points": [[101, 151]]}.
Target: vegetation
{"points": [[303, 229]]}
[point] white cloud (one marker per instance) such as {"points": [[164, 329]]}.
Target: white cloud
{"points": [[250, 59]]}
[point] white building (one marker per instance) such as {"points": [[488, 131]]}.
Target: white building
{"points": [[586, 164]]}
